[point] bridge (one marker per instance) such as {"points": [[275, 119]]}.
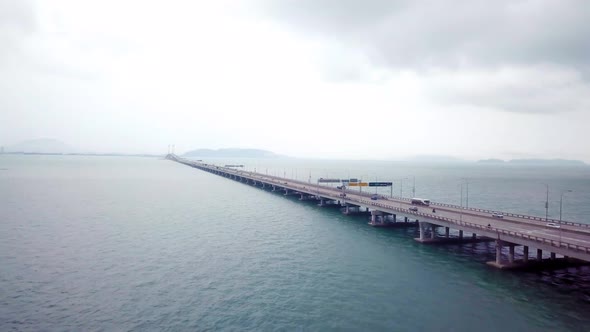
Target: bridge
{"points": [[569, 239]]}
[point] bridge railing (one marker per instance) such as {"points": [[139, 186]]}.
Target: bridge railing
{"points": [[368, 194], [523, 216], [544, 240]]}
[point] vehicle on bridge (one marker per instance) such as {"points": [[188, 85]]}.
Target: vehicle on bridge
{"points": [[497, 215], [413, 208], [554, 225], [375, 197], [420, 201]]}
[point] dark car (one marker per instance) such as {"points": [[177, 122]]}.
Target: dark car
{"points": [[413, 208], [374, 197]]}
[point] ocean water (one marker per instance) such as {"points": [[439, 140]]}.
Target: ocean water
{"points": [[117, 243]]}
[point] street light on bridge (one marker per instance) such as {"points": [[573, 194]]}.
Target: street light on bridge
{"points": [[466, 192], [561, 203], [547, 204], [560, 207]]}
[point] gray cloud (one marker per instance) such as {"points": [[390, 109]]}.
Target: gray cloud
{"points": [[538, 41], [17, 15], [449, 33]]}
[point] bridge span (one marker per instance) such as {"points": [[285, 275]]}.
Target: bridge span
{"points": [[572, 240]]}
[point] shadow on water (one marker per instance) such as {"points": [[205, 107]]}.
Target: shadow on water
{"points": [[566, 290]]}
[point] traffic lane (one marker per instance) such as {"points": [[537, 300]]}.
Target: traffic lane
{"points": [[480, 218], [475, 217]]}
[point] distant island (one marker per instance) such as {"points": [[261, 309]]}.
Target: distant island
{"points": [[536, 162], [436, 159], [50, 146], [41, 146], [231, 153], [491, 161]]}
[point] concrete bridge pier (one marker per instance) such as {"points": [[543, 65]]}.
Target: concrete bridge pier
{"points": [[525, 254], [460, 235], [377, 218], [539, 255], [447, 229], [499, 252], [423, 228]]}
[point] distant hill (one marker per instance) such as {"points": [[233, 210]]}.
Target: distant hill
{"points": [[548, 162], [491, 161], [43, 145], [436, 159], [231, 153]]}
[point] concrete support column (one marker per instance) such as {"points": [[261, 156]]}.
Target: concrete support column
{"points": [[525, 254], [552, 255], [422, 231], [511, 254], [394, 217], [498, 252], [447, 232], [473, 236], [432, 231], [405, 219], [461, 235], [539, 254]]}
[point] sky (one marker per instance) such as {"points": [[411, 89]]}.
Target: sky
{"points": [[372, 79]]}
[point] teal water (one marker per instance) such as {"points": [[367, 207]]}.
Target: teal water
{"points": [[115, 243]]}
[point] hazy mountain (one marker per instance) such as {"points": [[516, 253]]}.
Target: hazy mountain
{"points": [[233, 153], [43, 145], [491, 161], [436, 159], [548, 162]]}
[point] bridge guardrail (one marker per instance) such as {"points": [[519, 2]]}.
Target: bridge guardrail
{"points": [[543, 240], [509, 214], [366, 194]]}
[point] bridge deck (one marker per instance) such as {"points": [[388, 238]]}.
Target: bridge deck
{"points": [[571, 239]]}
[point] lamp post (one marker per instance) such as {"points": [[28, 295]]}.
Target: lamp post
{"points": [[561, 203], [547, 204], [401, 189], [560, 207], [461, 205], [466, 192]]}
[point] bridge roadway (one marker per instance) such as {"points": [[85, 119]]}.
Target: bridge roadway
{"points": [[571, 239]]}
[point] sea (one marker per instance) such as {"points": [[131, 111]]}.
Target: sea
{"points": [[96, 243]]}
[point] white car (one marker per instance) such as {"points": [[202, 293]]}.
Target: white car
{"points": [[554, 225], [498, 215], [413, 208]]}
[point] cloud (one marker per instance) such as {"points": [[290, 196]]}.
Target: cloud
{"points": [[448, 33], [518, 56], [528, 89], [17, 15]]}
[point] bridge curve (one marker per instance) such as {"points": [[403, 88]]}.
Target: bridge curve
{"points": [[570, 240]]}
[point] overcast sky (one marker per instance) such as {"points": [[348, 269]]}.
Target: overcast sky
{"points": [[377, 79]]}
